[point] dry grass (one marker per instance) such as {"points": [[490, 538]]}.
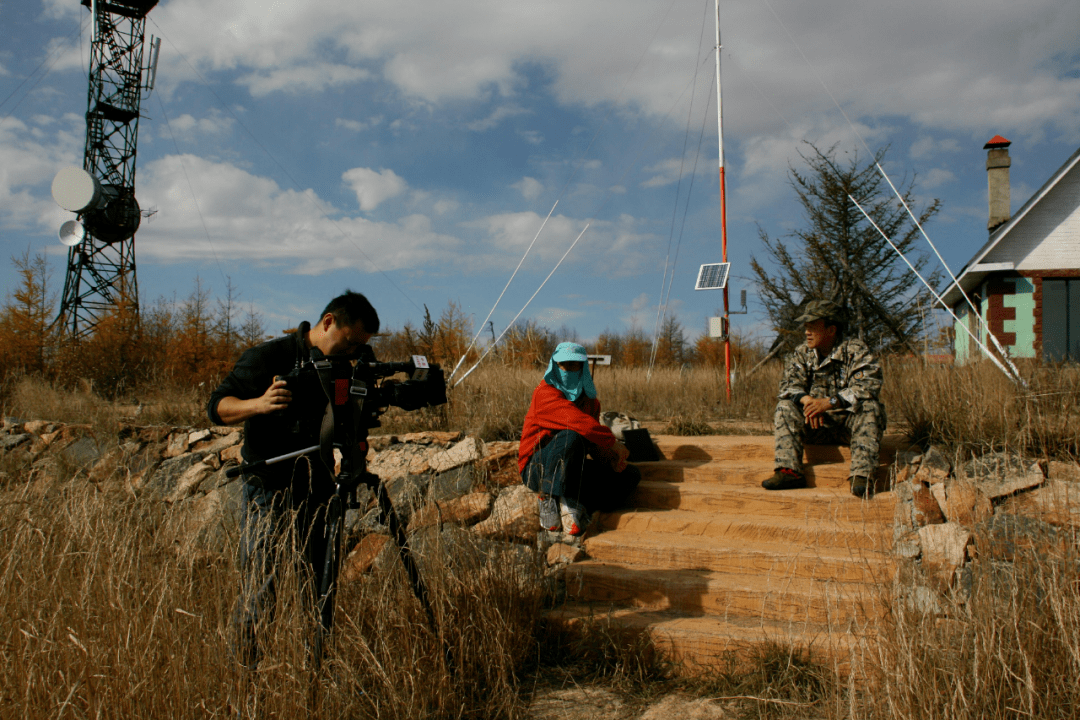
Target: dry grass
{"points": [[101, 619], [1010, 647]]}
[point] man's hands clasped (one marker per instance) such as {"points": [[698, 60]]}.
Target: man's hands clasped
{"points": [[814, 410]]}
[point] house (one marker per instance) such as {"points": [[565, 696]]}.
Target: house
{"points": [[1025, 281]]}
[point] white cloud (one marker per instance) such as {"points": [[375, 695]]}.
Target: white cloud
{"points": [[357, 125], [496, 117], [665, 172], [530, 188], [30, 157], [533, 137], [189, 127], [949, 65], [927, 147], [252, 219], [372, 188], [309, 78], [935, 178]]}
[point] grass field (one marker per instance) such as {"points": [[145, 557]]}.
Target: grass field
{"points": [[102, 618]]}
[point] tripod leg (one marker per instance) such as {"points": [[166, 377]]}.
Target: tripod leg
{"points": [[335, 519]]}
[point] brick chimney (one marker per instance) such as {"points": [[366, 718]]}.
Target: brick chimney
{"points": [[997, 176]]}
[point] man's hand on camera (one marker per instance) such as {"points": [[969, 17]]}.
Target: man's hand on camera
{"points": [[276, 398]]}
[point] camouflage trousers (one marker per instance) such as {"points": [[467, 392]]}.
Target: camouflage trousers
{"points": [[862, 430]]}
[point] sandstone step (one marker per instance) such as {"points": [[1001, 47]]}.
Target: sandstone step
{"points": [[725, 555], [723, 595], [752, 448], [820, 503], [752, 528], [701, 643], [743, 472]]}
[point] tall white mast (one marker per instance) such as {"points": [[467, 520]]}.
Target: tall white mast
{"points": [[723, 204]]}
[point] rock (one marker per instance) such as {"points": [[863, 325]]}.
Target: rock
{"points": [[223, 430], [362, 557], [468, 450], [1057, 502], [189, 481], [935, 458], [563, 554], [929, 475], [1013, 481], [431, 437], [1004, 535], [38, 427], [1067, 471], [83, 451], [406, 494], [920, 599], [163, 481], [925, 510], [944, 548], [209, 524], [232, 454], [197, 436], [908, 457], [515, 516], [10, 442], [378, 443], [965, 504], [215, 444], [466, 510], [453, 483], [907, 545], [938, 491], [213, 461], [177, 445]]}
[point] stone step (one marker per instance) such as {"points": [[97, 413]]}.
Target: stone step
{"points": [[702, 643], [752, 472], [752, 528], [707, 448], [724, 595], [804, 504], [726, 555]]}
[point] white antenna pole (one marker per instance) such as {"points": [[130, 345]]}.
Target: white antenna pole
{"points": [[723, 202]]}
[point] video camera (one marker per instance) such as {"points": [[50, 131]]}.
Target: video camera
{"points": [[359, 392]]}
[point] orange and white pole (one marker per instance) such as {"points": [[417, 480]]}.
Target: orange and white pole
{"points": [[723, 204]]}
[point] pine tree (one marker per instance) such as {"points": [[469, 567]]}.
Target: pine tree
{"points": [[839, 256]]}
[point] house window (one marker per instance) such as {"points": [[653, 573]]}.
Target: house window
{"points": [[1061, 319]]}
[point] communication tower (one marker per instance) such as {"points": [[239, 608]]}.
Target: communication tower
{"points": [[101, 240]]}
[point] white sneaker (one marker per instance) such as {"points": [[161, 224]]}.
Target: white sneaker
{"points": [[574, 517]]}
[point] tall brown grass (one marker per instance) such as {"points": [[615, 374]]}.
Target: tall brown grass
{"points": [[100, 617]]}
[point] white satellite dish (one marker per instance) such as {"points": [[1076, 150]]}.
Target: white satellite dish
{"points": [[72, 233], [76, 190]]}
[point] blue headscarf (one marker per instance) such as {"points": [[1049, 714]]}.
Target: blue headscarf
{"points": [[570, 384]]}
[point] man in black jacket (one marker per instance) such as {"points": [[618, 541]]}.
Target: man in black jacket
{"points": [[276, 423]]}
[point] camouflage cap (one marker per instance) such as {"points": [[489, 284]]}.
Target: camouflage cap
{"points": [[822, 310]]}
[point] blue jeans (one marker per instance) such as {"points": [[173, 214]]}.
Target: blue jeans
{"points": [[265, 548], [561, 468]]}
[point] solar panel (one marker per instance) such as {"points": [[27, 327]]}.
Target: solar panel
{"points": [[713, 277]]}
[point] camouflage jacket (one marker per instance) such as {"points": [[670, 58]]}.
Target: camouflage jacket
{"points": [[850, 371]]}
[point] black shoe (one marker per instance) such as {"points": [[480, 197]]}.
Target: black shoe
{"points": [[784, 479], [861, 487]]}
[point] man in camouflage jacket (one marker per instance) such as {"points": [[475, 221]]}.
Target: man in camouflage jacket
{"points": [[828, 396]]}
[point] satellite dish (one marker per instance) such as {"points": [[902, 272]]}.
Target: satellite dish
{"points": [[76, 190], [72, 233]]}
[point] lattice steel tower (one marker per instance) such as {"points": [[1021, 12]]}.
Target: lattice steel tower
{"points": [[101, 259]]}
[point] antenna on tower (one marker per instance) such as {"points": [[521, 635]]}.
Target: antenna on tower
{"points": [[101, 240]]}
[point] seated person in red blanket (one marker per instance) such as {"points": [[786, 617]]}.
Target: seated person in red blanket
{"points": [[561, 429]]}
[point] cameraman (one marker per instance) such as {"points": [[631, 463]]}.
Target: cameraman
{"points": [[275, 423]]}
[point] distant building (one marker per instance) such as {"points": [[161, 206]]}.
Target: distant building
{"points": [[1025, 281]]}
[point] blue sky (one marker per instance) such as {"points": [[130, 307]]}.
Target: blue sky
{"points": [[412, 151]]}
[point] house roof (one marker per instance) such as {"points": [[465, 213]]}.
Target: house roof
{"points": [[975, 271]]}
